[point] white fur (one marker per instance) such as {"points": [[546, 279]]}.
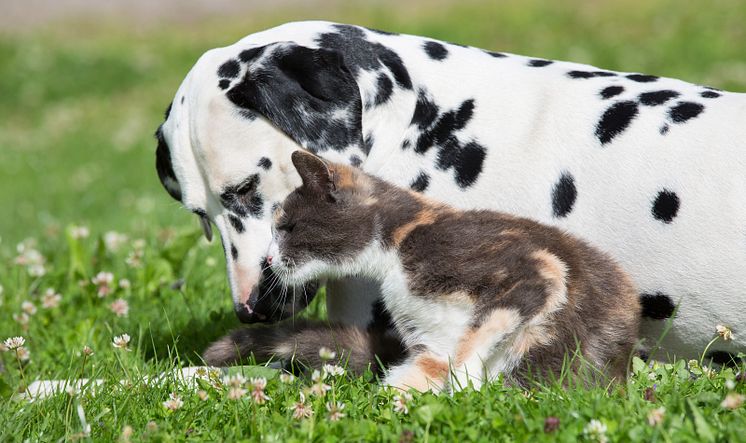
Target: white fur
{"points": [[536, 123]]}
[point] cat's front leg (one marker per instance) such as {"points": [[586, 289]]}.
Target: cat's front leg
{"points": [[422, 371]]}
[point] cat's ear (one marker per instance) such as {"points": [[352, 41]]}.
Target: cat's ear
{"points": [[316, 175]]}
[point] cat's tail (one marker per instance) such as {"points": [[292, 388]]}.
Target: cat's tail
{"points": [[300, 342]]}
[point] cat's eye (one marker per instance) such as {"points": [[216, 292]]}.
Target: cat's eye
{"points": [[286, 227]]}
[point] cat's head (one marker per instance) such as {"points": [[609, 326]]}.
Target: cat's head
{"points": [[323, 226]]}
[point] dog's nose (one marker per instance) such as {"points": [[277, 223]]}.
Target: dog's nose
{"points": [[244, 313]]}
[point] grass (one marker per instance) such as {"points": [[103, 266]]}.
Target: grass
{"points": [[78, 108]]}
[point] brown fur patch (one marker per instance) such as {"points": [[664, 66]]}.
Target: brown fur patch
{"points": [[433, 368], [500, 321], [425, 217], [554, 270]]}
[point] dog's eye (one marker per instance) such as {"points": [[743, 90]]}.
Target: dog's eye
{"points": [[239, 198]]}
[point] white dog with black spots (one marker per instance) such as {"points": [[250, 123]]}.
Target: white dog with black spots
{"points": [[649, 169]]}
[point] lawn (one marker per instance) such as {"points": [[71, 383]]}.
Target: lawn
{"points": [[85, 219]]}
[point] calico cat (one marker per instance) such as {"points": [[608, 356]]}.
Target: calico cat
{"points": [[474, 294]]}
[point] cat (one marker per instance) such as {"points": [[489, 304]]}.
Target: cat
{"points": [[473, 294]]}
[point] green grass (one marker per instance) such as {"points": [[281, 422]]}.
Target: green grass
{"points": [[78, 106]]}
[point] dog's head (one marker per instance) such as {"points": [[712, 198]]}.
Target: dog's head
{"points": [[224, 151]]}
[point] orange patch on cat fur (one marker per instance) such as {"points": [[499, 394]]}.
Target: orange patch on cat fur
{"points": [[554, 271], [499, 324], [425, 217]]}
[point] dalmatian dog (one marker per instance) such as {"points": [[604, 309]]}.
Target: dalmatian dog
{"points": [[650, 169]]}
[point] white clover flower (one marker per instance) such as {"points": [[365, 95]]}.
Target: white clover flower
{"points": [[286, 377], [335, 410], [87, 351], [202, 395], [36, 270], [51, 299], [725, 332], [134, 258], [319, 389], [23, 354], [14, 342], [28, 307], [317, 375], [71, 390], [257, 390], [174, 402], [127, 433], [596, 430], [401, 402], [139, 244], [732, 401], [122, 342], [326, 353], [300, 409], [656, 416], [78, 232], [103, 281], [234, 381], [333, 370], [236, 393], [730, 384], [114, 240], [120, 307], [124, 283], [22, 318]]}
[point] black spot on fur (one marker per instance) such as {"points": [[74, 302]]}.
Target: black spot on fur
{"points": [[657, 306], [724, 358], [466, 161], [362, 54], [564, 195], [664, 129], [247, 114], [611, 91], [684, 111], [421, 182], [314, 82], [666, 206], [355, 161], [164, 166], [256, 205], [368, 143], [249, 55], [590, 74], [234, 253], [168, 111], [425, 111], [384, 89], [615, 120], [440, 131], [709, 94], [236, 222], [182, 99], [229, 69], [656, 98], [265, 163], [224, 84], [642, 78], [495, 54], [378, 31], [539, 63], [435, 50], [405, 144]]}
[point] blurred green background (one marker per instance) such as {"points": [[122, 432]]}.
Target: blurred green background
{"points": [[82, 88]]}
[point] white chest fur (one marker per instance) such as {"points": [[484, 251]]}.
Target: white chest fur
{"points": [[422, 319]]}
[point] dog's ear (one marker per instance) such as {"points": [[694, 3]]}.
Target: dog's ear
{"points": [[316, 175], [308, 93]]}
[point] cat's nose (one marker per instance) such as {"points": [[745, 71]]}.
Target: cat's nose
{"points": [[269, 260]]}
